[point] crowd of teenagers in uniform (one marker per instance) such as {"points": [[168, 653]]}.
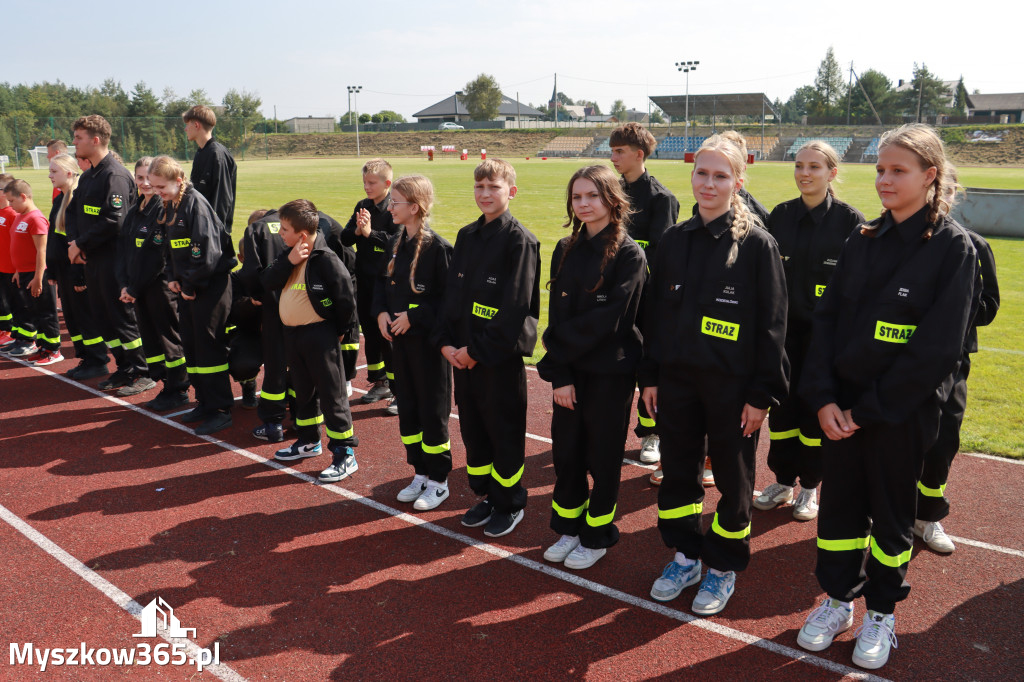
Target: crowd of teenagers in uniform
{"points": [[851, 337]]}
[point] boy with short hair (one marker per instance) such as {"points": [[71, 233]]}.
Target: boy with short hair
{"points": [[214, 172], [370, 229], [655, 209], [8, 291], [316, 305], [488, 322], [28, 255]]}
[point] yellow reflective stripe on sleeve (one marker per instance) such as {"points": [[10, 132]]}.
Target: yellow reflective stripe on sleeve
{"points": [[313, 421], [783, 435], [932, 492], [155, 359], [810, 442], [894, 333], [643, 243], [730, 331], [90, 210], [646, 422], [680, 512], [484, 311], [137, 343], [271, 396], [485, 470], [291, 392], [886, 560], [508, 482], [843, 545], [208, 370], [437, 449], [603, 520], [375, 366], [569, 513], [350, 346], [74, 339], [180, 243], [344, 435], [819, 289], [93, 342], [409, 440], [389, 375], [732, 535]]}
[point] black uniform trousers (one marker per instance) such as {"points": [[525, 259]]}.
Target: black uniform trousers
{"points": [[318, 379], [590, 439], [376, 347], [85, 335], [40, 312], [7, 292], [21, 323], [793, 427], [868, 501], [350, 350], [114, 320], [156, 311], [692, 404], [274, 390], [932, 504], [424, 391], [646, 424], [492, 419], [204, 337], [245, 354]]}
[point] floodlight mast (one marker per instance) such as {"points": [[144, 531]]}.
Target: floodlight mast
{"points": [[687, 67], [354, 90]]}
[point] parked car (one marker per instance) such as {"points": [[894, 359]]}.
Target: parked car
{"points": [[450, 126]]}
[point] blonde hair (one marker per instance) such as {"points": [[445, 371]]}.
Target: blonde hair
{"points": [[495, 169], [67, 164], [831, 158], [419, 191], [730, 144], [379, 167], [168, 169]]}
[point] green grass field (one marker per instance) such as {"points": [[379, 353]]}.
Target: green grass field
{"points": [[995, 412]]}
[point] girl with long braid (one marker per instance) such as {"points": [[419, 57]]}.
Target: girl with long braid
{"points": [[593, 349], [405, 302]]}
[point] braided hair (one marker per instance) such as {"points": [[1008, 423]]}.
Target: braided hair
{"points": [[167, 168], [420, 192], [732, 146]]}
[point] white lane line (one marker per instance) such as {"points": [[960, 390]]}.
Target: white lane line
{"points": [[109, 590], [985, 545], [1001, 350], [1005, 460]]}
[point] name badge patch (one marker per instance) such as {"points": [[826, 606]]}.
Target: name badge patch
{"points": [[721, 329]]}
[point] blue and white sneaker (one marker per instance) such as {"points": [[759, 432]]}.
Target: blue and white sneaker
{"points": [[343, 465], [674, 579], [298, 451], [714, 592]]}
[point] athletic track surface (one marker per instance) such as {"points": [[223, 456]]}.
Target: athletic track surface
{"points": [[105, 507]]}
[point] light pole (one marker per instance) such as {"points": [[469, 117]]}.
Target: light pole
{"points": [[687, 67], [354, 90]]}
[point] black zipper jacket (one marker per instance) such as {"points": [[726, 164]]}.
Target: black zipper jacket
{"points": [[144, 249], [371, 252], [101, 202], [394, 295], [199, 244], [214, 174], [328, 283], [655, 209]]}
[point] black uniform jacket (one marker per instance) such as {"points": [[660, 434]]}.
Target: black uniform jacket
{"points": [[328, 283], [393, 294], [988, 297], [199, 244], [372, 251], [213, 174], [810, 241], [593, 331], [57, 244], [655, 209], [704, 315], [143, 247], [891, 324], [101, 201], [492, 298]]}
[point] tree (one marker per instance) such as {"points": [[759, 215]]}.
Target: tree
{"points": [[799, 104], [243, 104], [387, 116], [143, 101], [364, 118], [590, 105], [928, 97], [828, 85], [619, 111], [564, 99], [657, 116], [960, 101], [198, 96], [482, 98], [879, 91]]}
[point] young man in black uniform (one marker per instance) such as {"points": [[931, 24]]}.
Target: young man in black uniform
{"points": [[105, 193], [488, 323], [655, 209], [370, 229], [213, 168]]}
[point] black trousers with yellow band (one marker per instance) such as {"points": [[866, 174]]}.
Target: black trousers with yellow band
{"points": [[424, 392], [204, 336], [114, 320], [376, 347], [156, 311], [795, 451], [932, 504], [318, 380]]}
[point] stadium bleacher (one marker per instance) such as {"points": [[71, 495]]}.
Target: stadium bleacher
{"points": [[840, 144], [871, 153], [754, 145], [676, 147], [566, 146]]}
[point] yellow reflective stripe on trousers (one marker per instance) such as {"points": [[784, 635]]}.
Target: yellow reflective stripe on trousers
{"points": [[646, 422], [208, 370], [291, 392], [116, 343], [485, 470], [783, 435], [271, 396], [319, 419], [389, 376], [74, 339], [92, 342], [409, 440], [350, 346], [810, 442], [47, 339], [603, 520], [4, 318], [511, 481], [344, 435], [175, 363], [24, 332], [844, 545], [932, 492], [375, 366], [732, 535], [569, 513], [680, 512], [137, 343], [437, 449], [155, 359], [887, 560]]}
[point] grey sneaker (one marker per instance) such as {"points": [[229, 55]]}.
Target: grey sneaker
{"points": [[806, 506], [824, 623], [561, 549], [875, 637], [773, 496], [674, 579], [650, 449]]}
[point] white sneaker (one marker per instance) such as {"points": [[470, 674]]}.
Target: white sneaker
{"points": [[934, 535], [650, 449], [824, 623], [875, 637], [348, 389], [773, 496], [412, 491], [434, 494], [806, 506], [584, 557], [561, 549], [714, 592]]}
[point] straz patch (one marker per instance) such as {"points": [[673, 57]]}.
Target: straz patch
{"points": [[90, 210], [179, 243], [894, 333], [721, 329], [116, 200], [819, 289], [274, 227], [484, 311], [378, 249]]}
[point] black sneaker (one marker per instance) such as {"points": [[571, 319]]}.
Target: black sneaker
{"points": [[198, 414], [214, 423], [478, 515], [502, 523], [380, 391], [272, 432], [90, 371], [116, 380], [250, 400], [23, 349], [167, 400], [73, 372], [343, 466], [139, 385]]}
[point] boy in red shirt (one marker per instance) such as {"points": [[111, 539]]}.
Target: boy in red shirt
{"points": [[7, 288], [28, 255]]}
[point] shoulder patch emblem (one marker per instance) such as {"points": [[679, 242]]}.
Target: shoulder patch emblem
{"points": [[116, 200], [196, 251], [158, 238], [326, 302]]}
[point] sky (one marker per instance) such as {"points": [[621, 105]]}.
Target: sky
{"points": [[299, 56]]}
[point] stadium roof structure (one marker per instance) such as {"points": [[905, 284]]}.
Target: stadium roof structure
{"points": [[735, 104], [453, 107], [1013, 101]]}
